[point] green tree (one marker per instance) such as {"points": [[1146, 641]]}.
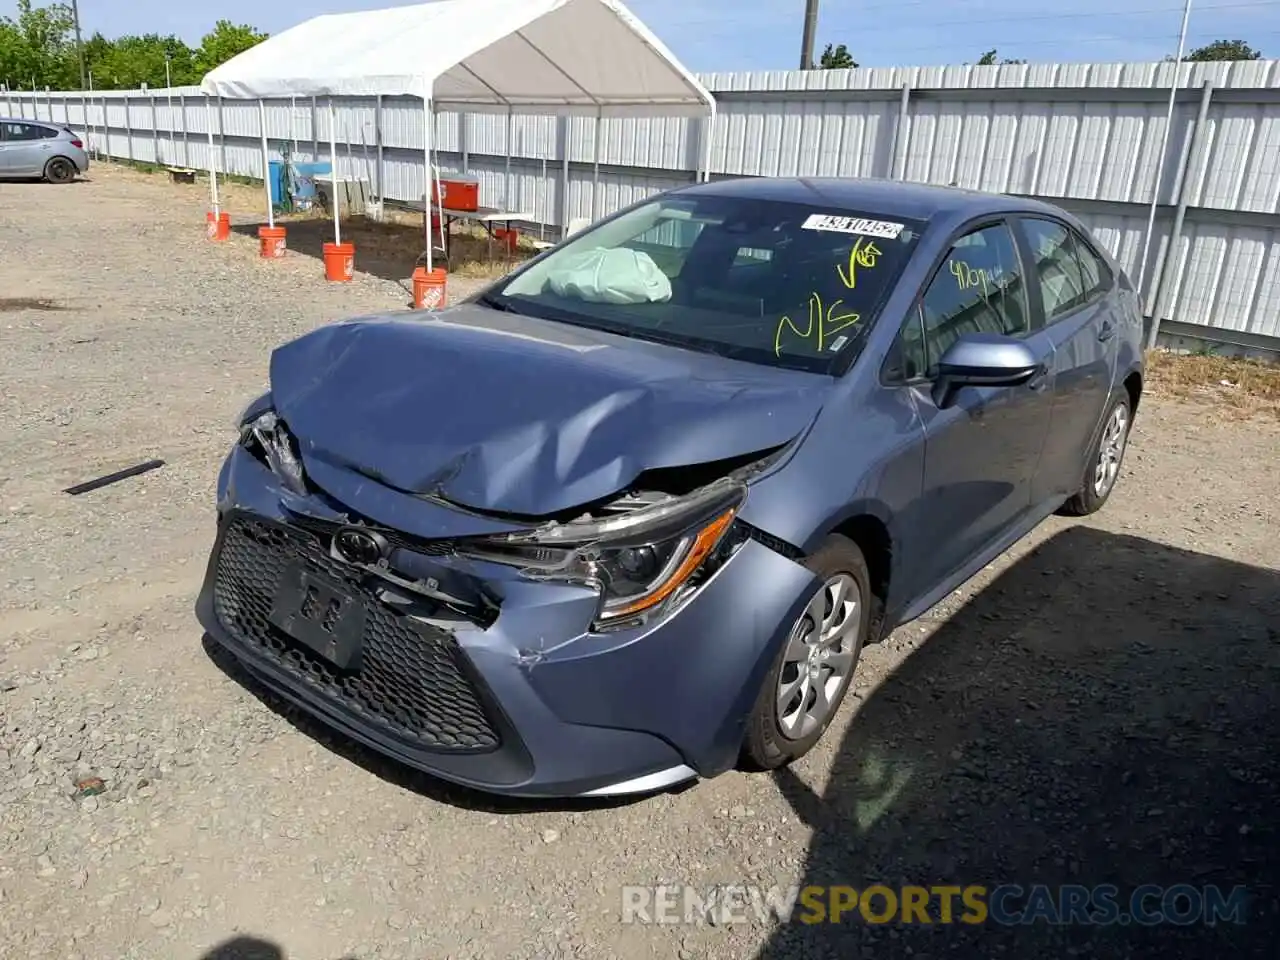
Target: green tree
{"points": [[14, 62], [37, 46], [836, 58], [129, 62], [223, 42], [1224, 50], [989, 59]]}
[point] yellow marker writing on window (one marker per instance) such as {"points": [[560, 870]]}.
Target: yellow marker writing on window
{"points": [[968, 277], [864, 254], [823, 324]]}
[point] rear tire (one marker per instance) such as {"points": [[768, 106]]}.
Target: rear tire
{"points": [[811, 675], [60, 170], [1102, 469]]}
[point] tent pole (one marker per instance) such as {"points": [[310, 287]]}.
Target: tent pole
{"points": [[706, 147], [595, 166], [266, 164], [377, 121], [333, 170], [427, 123], [436, 148], [567, 126], [213, 172], [506, 173]]}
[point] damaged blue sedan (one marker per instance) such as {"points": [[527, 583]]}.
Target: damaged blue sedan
{"points": [[627, 517]]}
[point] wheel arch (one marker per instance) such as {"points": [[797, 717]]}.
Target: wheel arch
{"points": [[1132, 384], [867, 523]]}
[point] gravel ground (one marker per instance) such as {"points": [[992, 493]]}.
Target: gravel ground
{"points": [[1100, 706]]}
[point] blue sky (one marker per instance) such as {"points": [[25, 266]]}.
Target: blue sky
{"points": [[713, 35]]}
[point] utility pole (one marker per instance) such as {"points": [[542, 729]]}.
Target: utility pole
{"points": [[810, 31], [75, 15]]}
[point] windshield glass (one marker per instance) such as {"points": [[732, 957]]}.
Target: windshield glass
{"points": [[780, 283]]}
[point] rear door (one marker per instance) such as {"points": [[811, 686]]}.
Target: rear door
{"points": [[1069, 284]]}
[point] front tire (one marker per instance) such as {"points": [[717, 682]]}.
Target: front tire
{"points": [[1102, 469], [809, 679], [59, 170]]}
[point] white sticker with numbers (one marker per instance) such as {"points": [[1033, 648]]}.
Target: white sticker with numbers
{"points": [[857, 225]]}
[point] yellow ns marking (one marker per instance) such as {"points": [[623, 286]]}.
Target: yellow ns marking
{"points": [[823, 323]]}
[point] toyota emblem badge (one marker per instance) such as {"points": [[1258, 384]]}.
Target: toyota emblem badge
{"points": [[360, 547]]}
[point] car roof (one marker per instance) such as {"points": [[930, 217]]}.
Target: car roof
{"points": [[890, 198], [39, 123]]}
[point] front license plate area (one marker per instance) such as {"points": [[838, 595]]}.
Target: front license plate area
{"points": [[321, 615]]}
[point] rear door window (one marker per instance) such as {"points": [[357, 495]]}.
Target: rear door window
{"points": [[1057, 268]]}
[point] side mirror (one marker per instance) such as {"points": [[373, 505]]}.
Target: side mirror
{"points": [[983, 360]]}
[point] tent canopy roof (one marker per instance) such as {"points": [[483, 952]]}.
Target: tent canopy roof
{"points": [[529, 56]]}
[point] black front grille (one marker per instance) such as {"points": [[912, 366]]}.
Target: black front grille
{"points": [[327, 528], [412, 680]]}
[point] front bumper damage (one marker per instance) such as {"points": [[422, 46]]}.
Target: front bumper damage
{"points": [[522, 699]]}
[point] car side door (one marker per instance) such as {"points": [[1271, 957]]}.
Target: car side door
{"points": [[1072, 284], [4, 149], [983, 443], [24, 156]]}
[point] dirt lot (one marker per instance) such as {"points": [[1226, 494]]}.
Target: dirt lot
{"points": [[1101, 706]]}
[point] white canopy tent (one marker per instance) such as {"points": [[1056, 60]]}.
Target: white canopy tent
{"points": [[590, 57]]}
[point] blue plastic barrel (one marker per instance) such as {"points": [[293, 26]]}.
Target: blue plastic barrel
{"points": [[275, 170], [305, 185]]}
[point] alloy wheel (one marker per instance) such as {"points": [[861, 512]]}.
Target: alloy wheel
{"points": [[1111, 450], [821, 653]]}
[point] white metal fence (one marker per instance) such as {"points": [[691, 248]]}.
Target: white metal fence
{"points": [[1086, 136]]}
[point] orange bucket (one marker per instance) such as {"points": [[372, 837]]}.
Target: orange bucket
{"points": [[429, 288], [510, 238], [339, 261], [271, 242], [219, 227]]}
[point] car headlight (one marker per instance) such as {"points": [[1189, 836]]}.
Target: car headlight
{"points": [[253, 411], [266, 435], [643, 562]]}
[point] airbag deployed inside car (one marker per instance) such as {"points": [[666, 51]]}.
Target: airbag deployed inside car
{"points": [[617, 275]]}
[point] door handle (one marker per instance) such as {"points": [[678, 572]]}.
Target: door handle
{"points": [[1106, 331]]}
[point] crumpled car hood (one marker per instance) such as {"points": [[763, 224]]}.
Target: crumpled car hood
{"points": [[510, 414]]}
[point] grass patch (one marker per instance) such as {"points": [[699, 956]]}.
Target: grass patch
{"points": [[1241, 386]]}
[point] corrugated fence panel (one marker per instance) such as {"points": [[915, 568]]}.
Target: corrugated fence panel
{"points": [[1226, 277], [1088, 136]]}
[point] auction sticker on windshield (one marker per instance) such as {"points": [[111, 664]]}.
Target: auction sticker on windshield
{"points": [[859, 225]]}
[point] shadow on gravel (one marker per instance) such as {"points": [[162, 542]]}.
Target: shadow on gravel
{"points": [[1106, 712], [45, 183], [244, 948], [247, 948], [385, 250], [395, 773]]}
